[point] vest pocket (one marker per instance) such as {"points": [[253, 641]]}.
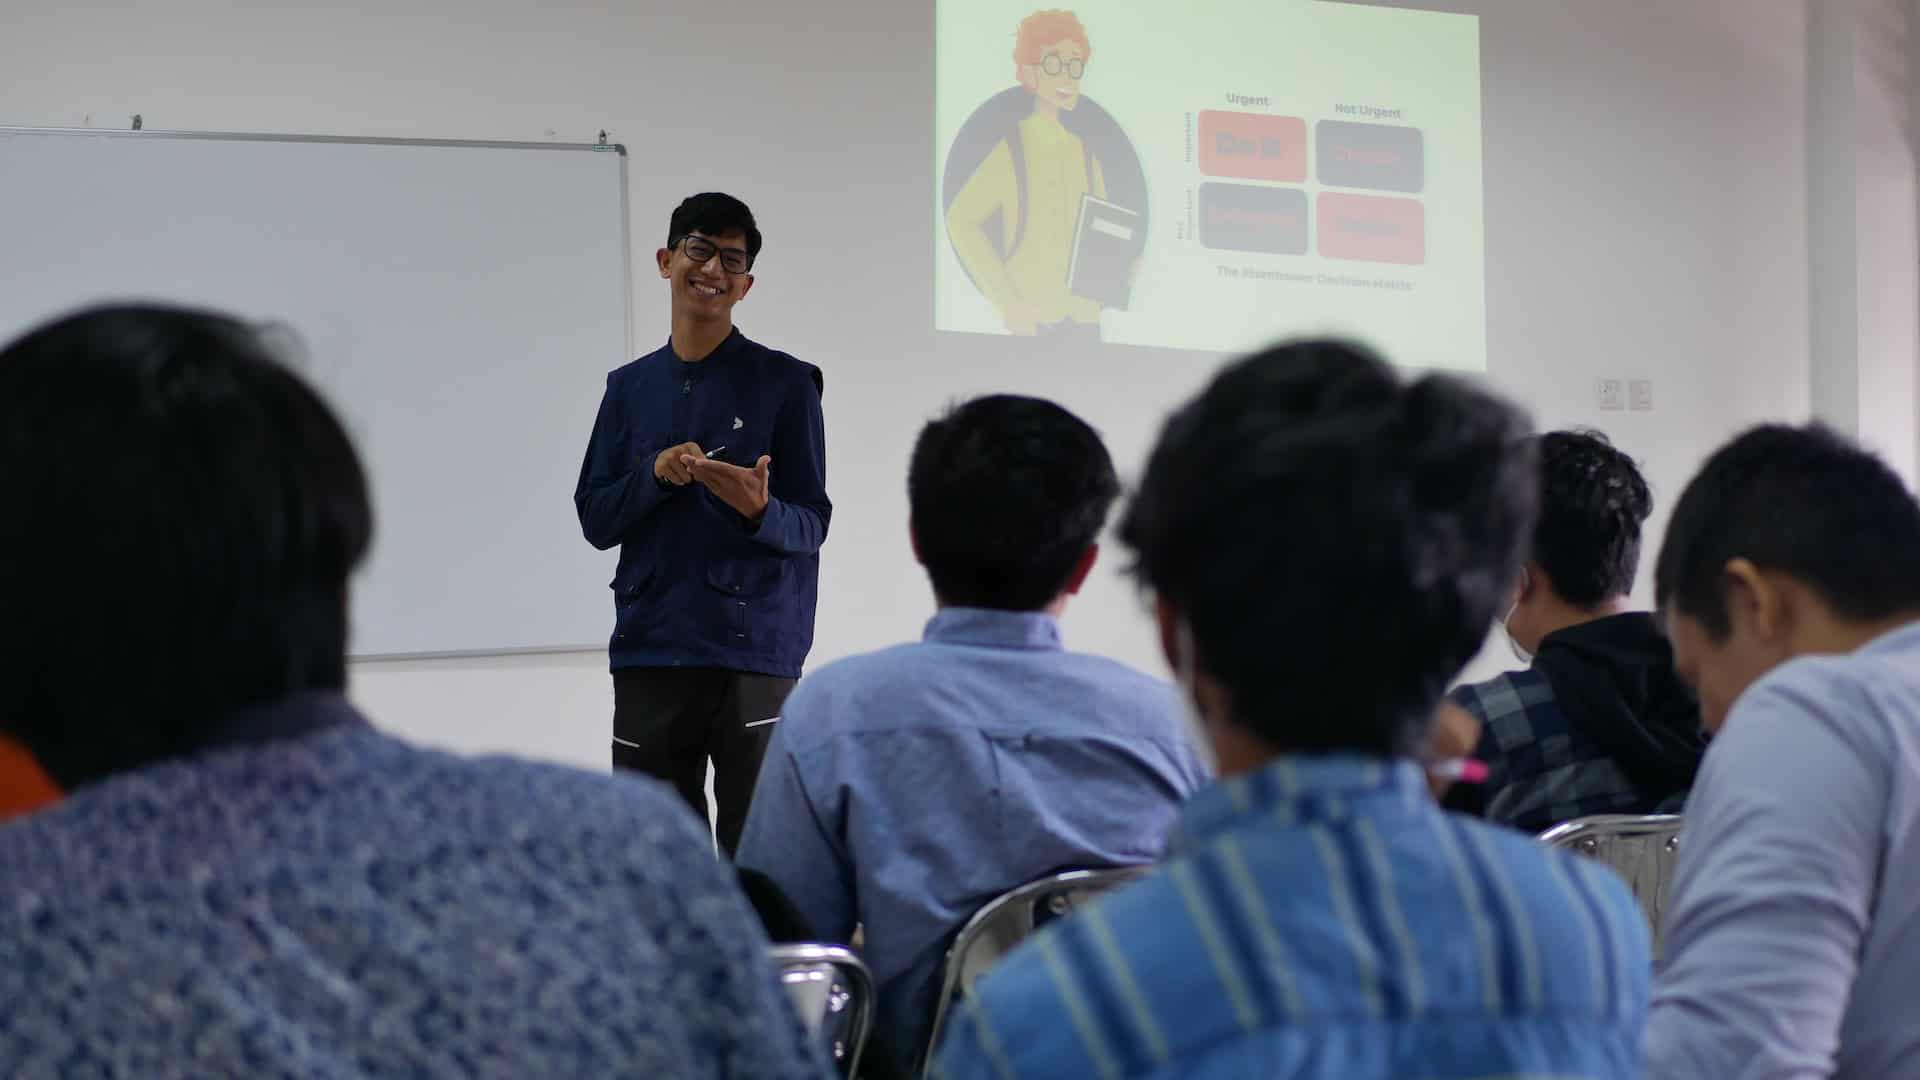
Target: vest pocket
{"points": [[748, 592]]}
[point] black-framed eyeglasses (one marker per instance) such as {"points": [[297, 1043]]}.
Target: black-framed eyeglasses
{"points": [[1053, 65], [701, 250]]}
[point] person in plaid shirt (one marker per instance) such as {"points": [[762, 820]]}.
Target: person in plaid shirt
{"points": [[1598, 722]]}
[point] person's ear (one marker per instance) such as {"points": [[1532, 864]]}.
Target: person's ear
{"points": [[745, 288], [1530, 577], [1081, 569], [664, 257], [913, 538], [1754, 601], [1030, 77]]}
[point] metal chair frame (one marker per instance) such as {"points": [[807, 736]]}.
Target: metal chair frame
{"points": [[1007, 920], [1640, 848], [849, 986]]}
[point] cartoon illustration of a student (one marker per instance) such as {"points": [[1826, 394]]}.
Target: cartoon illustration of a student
{"points": [[1012, 223]]}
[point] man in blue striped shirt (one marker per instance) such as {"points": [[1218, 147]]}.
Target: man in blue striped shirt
{"points": [[1327, 546]]}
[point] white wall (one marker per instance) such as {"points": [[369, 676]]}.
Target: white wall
{"points": [[1647, 210], [1873, 83]]}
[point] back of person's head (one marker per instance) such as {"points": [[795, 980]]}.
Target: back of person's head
{"points": [[1593, 501], [182, 515], [713, 214], [1802, 501], [1336, 540], [1008, 494]]}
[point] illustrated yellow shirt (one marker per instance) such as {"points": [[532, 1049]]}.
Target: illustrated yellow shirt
{"points": [[1056, 168]]}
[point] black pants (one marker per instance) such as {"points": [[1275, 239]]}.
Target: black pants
{"points": [[668, 721]]}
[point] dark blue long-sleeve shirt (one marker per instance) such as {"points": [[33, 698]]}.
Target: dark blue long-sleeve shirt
{"points": [[698, 585]]}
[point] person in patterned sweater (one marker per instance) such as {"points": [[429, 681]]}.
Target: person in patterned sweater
{"points": [[210, 863]]}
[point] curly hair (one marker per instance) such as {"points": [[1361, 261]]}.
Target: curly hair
{"points": [[1045, 28], [1593, 501]]}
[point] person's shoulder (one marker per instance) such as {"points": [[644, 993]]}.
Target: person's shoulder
{"points": [[833, 698], [1853, 696], [622, 818], [639, 366], [1507, 692], [1816, 681], [560, 791], [1122, 685], [1539, 876], [1857, 702], [1120, 673], [779, 365]]}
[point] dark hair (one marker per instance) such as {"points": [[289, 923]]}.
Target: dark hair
{"points": [[1593, 501], [181, 516], [1337, 540], [1803, 501], [1007, 493], [713, 214]]}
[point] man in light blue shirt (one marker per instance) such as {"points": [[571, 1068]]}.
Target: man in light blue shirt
{"points": [[906, 788], [1327, 546], [1790, 581]]}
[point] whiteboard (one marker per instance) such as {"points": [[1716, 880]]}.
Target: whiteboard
{"points": [[460, 303]]}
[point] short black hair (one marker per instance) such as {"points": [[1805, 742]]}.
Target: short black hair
{"points": [[715, 214], [1593, 501], [1007, 493], [1338, 540], [182, 515], [1803, 501]]}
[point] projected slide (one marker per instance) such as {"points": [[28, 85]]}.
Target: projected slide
{"points": [[1210, 175]]}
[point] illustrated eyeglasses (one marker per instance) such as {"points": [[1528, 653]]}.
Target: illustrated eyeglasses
{"points": [[1053, 65], [701, 250]]}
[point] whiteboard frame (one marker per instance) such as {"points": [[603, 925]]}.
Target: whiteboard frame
{"points": [[626, 243]]}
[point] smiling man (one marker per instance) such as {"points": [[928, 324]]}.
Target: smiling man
{"points": [[1790, 581], [707, 467]]}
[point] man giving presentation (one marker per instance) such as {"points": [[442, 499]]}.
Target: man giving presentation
{"points": [[707, 466]]}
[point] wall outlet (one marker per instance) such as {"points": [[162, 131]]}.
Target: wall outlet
{"points": [[1612, 394], [1640, 395]]}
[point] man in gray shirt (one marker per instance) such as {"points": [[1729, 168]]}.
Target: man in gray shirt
{"points": [[1790, 581]]}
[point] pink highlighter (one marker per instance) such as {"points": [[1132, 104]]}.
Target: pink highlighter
{"points": [[1460, 770]]}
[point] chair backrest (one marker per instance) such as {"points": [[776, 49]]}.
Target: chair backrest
{"points": [[1006, 921], [834, 994], [1641, 849]]}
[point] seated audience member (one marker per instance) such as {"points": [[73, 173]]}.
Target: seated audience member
{"points": [[1790, 581], [1598, 723], [1326, 545], [908, 787], [216, 867]]}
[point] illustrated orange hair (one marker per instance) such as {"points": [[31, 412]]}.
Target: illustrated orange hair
{"points": [[1044, 28]]}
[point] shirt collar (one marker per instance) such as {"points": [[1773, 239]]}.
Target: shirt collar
{"points": [[994, 629], [1301, 789], [1899, 640]]}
